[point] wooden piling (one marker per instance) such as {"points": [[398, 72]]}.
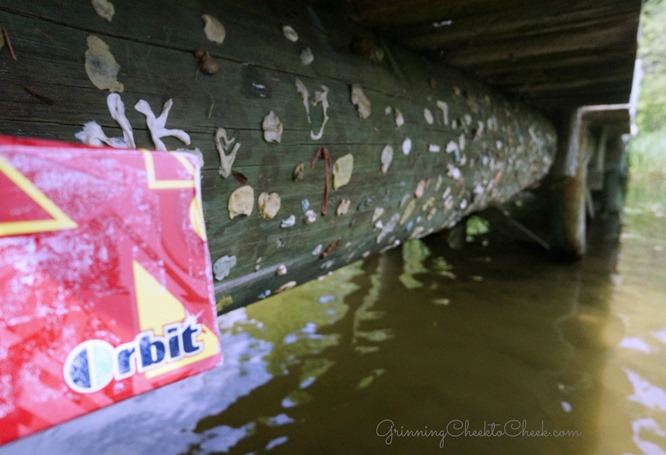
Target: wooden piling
{"points": [[436, 146], [569, 174], [615, 173]]}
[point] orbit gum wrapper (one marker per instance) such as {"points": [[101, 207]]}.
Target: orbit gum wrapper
{"points": [[105, 286]]}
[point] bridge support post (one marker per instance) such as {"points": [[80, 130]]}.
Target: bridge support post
{"points": [[614, 177], [568, 197]]}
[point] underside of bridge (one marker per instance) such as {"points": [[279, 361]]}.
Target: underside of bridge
{"points": [[555, 54]]}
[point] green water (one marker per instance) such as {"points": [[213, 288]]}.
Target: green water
{"points": [[493, 349]]}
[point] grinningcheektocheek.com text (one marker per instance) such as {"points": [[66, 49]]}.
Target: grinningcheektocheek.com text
{"points": [[516, 428]]}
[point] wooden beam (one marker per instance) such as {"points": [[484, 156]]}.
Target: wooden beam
{"points": [[522, 22], [374, 13], [595, 177], [554, 87], [587, 74], [562, 61], [496, 146], [547, 43], [615, 177], [569, 174], [553, 101]]}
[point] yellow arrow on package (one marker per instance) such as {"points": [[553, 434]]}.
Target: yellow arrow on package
{"points": [[59, 219]]}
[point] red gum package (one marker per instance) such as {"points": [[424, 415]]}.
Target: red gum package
{"points": [[105, 285]]}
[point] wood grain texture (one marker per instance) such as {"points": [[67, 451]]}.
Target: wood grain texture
{"points": [[507, 146]]}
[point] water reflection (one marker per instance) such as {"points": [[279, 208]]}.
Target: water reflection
{"points": [[493, 337]]}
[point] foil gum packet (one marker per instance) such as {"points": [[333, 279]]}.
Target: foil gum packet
{"points": [[105, 283]]}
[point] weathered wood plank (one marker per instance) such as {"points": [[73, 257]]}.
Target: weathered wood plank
{"points": [[580, 76], [553, 88], [524, 22], [179, 27], [506, 146], [519, 47], [570, 61], [396, 12], [583, 97]]}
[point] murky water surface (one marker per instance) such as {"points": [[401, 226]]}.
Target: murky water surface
{"points": [[491, 350]]}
